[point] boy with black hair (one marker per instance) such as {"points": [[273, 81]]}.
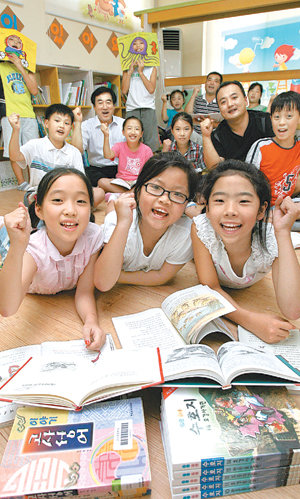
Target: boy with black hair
{"points": [[49, 152], [279, 157]]}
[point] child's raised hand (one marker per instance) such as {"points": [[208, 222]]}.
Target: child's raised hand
{"points": [[15, 60], [18, 226], [206, 127], [77, 114], [166, 145], [140, 65], [14, 120], [164, 98], [93, 336], [270, 327], [104, 128], [124, 207], [196, 90], [286, 212]]}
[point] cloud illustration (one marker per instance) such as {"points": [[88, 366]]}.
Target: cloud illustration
{"points": [[234, 59], [296, 55], [230, 43]]}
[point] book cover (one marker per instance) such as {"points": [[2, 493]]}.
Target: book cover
{"points": [[99, 452], [209, 429]]}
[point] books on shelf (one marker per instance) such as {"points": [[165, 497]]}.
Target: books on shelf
{"points": [[189, 311], [100, 452], [229, 442], [41, 125], [53, 377], [42, 97], [74, 93]]}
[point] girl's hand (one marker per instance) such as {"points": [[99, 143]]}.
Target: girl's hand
{"points": [[77, 114], [104, 128], [14, 120], [196, 90], [271, 328], [124, 207], [164, 98], [140, 65], [206, 127], [285, 213], [166, 145], [18, 226], [93, 336]]}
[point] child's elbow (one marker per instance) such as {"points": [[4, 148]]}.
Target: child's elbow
{"points": [[102, 286], [7, 311], [293, 313]]}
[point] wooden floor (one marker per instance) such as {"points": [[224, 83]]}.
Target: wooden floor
{"points": [[42, 318]]}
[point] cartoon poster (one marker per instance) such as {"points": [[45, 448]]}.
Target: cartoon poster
{"points": [[136, 46], [116, 14], [269, 47], [14, 42]]}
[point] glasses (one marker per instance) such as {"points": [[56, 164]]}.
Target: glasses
{"points": [[157, 190]]}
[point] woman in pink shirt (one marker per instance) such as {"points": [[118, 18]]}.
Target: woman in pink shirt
{"points": [[132, 155], [58, 256]]}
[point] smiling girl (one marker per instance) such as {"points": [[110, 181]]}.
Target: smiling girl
{"points": [[235, 247], [148, 235], [58, 256]]}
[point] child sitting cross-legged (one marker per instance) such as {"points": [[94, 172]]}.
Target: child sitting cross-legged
{"points": [[132, 155]]}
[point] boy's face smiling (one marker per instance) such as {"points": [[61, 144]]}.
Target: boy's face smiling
{"points": [[59, 127], [284, 124]]}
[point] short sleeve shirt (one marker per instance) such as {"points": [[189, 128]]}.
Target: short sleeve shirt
{"points": [[230, 145], [131, 162], [56, 272], [174, 246], [42, 156]]}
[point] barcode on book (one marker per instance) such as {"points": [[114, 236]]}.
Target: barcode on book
{"points": [[123, 435]]}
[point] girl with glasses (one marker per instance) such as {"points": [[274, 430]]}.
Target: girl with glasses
{"points": [[149, 238]]}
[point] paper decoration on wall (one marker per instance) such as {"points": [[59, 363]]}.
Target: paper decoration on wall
{"points": [[9, 20], [113, 44], [57, 33], [138, 45], [88, 40], [14, 42]]}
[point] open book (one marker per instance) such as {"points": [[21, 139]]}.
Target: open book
{"points": [[70, 378], [123, 183], [191, 312]]}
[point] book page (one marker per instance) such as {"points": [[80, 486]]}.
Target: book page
{"points": [[190, 309], [121, 182], [288, 348], [191, 361], [236, 358], [150, 328]]}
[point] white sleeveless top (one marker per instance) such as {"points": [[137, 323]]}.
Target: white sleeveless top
{"points": [[256, 267]]}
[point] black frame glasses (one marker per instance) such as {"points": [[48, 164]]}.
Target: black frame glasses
{"points": [[158, 190]]}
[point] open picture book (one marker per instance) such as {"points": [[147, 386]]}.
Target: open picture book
{"points": [[56, 375], [187, 316]]}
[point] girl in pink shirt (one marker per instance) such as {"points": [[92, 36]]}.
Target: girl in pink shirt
{"points": [[58, 256], [132, 155]]}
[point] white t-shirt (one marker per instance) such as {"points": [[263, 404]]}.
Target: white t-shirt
{"points": [[42, 156], [138, 96], [256, 267], [174, 246]]}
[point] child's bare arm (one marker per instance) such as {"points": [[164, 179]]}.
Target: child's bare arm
{"points": [[126, 79], [14, 145], [29, 78], [107, 152], [151, 278], [19, 267], [150, 85], [286, 269], [85, 303], [164, 115], [211, 157], [110, 261], [76, 134], [268, 327]]}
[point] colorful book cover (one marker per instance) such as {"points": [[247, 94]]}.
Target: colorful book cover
{"points": [[210, 429], [98, 452], [14, 42], [138, 46]]}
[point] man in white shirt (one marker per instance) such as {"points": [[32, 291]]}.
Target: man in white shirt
{"points": [[87, 135]]}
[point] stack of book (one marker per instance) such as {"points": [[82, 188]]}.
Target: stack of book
{"points": [[43, 96], [99, 452], [73, 93], [219, 443]]}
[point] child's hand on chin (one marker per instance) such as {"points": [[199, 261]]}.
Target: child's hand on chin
{"points": [[271, 328], [93, 336]]}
